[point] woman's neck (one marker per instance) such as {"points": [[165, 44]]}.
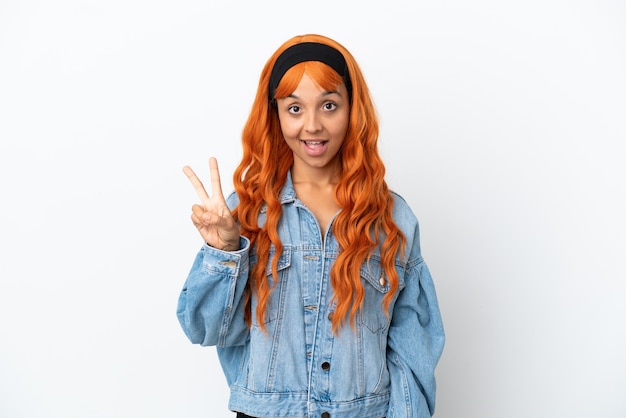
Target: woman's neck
{"points": [[320, 177]]}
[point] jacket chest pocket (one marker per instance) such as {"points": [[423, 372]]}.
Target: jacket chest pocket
{"points": [[278, 291], [376, 286]]}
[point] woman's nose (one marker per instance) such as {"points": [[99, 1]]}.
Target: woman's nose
{"points": [[312, 122]]}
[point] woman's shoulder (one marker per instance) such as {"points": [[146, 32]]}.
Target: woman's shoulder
{"points": [[405, 219], [403, 214]]}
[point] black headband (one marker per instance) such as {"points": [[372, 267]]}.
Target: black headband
{"points": [[309, 51]]}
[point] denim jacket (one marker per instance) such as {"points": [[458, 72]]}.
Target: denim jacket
{"points": [[383, 367]]}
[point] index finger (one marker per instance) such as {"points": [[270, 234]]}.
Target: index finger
{"points": [[197, 184]]}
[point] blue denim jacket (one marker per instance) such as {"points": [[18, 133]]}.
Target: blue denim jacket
{"points": [[384, 367]]}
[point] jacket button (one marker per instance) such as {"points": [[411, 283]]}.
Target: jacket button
{"points": [[325, 366], [330, 316], [325, 415]]}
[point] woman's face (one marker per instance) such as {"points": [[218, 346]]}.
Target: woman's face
{"points": [[314, 124]]}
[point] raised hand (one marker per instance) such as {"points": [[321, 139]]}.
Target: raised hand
{"points": [[212, 217]]}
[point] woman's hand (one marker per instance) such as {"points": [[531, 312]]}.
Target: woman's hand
{"points": [[212, 217]]}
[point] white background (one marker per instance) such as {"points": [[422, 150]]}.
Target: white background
{"points": [[503, 125]]}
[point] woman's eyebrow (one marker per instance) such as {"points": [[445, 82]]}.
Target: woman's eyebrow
{"points": [[325, 93]]}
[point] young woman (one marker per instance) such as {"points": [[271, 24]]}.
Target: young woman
{"points": [[311, 282]]}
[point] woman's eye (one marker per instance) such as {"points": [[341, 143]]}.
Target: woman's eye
{"points": [[330, 106], [293, 109]]}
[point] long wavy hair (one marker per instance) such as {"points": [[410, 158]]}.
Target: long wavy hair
{"points": [[365, 219]]}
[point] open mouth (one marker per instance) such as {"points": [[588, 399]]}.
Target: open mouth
{"points": [[313, 144], [314, 148]]}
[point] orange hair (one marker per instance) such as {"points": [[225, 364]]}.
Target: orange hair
{"points": [[365, 219]]}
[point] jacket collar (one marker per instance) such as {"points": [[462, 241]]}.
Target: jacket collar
{"points": [[288, 192]]}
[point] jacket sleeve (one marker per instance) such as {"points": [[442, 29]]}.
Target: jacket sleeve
{"points": [[211, 303], [415, 343]]}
